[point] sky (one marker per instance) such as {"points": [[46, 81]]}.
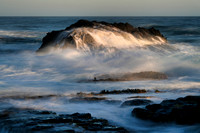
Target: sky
{"points": [[99, 7]]}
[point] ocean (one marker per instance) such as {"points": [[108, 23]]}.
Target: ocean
{"points": [[25, 73]]}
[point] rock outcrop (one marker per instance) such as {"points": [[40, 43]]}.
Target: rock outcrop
{"points": [[182, 111], [90, 35], [126, 91], [136, 102], [148, 75], [28, 120]]}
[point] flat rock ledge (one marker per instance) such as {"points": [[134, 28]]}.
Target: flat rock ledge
{"points": [[14, 120]]}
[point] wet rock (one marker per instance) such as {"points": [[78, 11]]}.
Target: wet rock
{"points": [[182, 111], [28, 120], [87, 99], [92, 94], [68, 38], [136, 102], [157, 91], [92, 97], [30, 97], [127, 91], [142, 97]]}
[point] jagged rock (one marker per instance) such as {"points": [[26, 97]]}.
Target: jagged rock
{"points": [[182, 111], [81, 35], [127, 91], [29, 120]]}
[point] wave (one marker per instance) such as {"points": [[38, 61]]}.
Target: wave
{"points": [[11, 40], [20, 36]]}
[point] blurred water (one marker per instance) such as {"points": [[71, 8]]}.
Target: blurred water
{"points": [[23, 72]]}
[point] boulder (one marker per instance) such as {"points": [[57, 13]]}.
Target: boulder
{"points": [[136, 102], [182, 111]]}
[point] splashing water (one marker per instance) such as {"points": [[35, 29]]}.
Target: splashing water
{"points": [[26, 74]]}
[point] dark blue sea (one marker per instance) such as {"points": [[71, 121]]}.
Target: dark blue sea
{"points": [[25, 73]]}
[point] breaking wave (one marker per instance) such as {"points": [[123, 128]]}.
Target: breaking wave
{"points": [[7, 36], [101, 38], [90, 36]]}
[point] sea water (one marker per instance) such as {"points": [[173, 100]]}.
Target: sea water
{"points": [[25, 73]]}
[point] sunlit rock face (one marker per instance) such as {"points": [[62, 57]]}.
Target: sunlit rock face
{"points": [[91, 36], [148, 75]]}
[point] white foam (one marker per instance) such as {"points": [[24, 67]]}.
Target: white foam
{"points": [[20, 34], [105, 38]]}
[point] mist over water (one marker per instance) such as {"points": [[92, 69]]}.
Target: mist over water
{"points": [[23, 72]]}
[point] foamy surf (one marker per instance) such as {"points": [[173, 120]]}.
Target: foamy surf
{"points": [[50, 82]]}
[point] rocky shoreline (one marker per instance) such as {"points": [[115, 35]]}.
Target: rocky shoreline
{"points": [[28, 120], [183, 111]]}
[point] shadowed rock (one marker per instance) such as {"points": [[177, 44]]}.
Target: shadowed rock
{"points": [[87, 99], [182, 111], [127, 91], [30, 97], [136, 102], [92, 98], [28, 120], [146, 97]]}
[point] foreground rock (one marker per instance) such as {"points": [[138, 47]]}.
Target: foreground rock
{"points": [[136, 102], [182, 111], [92, 35], [28, 120]]}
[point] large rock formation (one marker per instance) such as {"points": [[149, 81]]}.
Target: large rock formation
{"points": [[92, 35]]}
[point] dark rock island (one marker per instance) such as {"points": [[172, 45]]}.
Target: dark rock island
{"points": [[148, 75], [83, 35]]}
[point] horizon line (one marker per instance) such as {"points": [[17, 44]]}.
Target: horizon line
{"points": [[97, 16]]}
